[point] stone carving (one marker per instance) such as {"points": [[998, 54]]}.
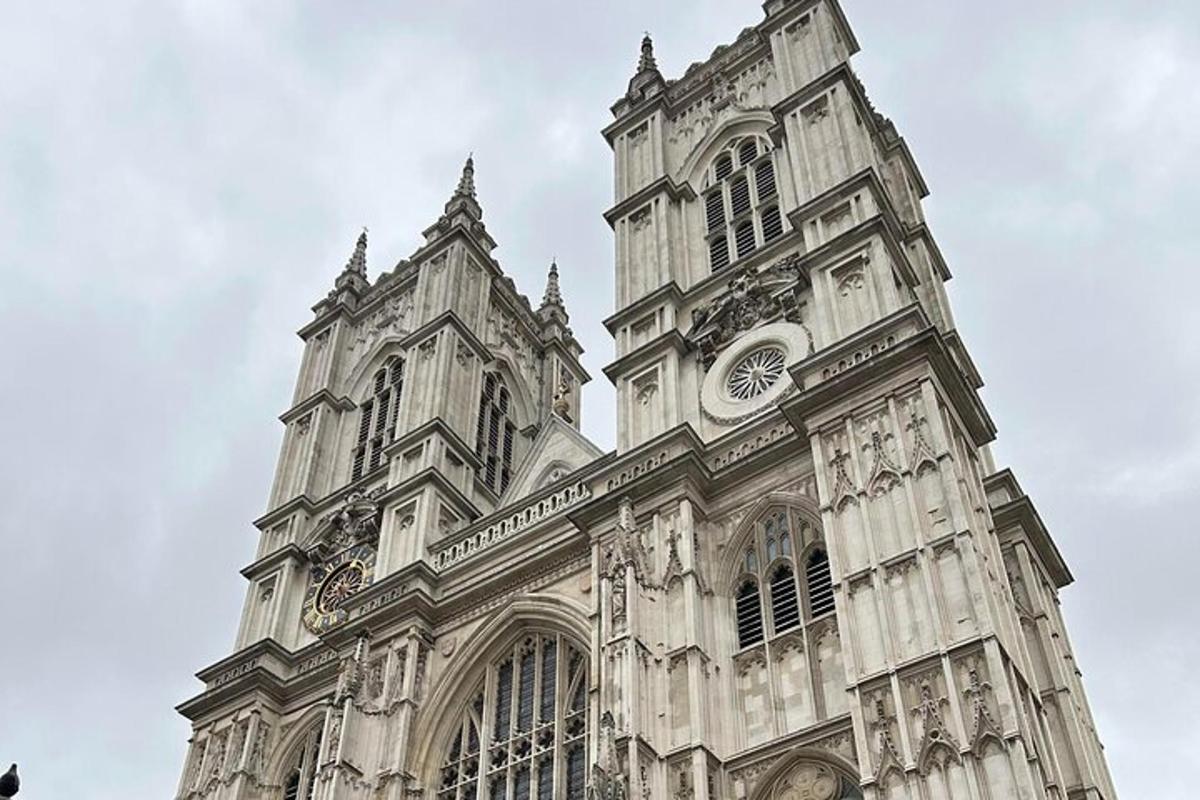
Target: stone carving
{"points": [[885, 475], [753, 298], [807, 781], [935, 736], [983, 725], [562, 401], [887, 757], [922, 452], [356, 522], [256, 764], [353, 673], [608, 782], [843, 485], [391, 318]]}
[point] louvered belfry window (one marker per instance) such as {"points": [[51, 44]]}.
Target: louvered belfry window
{"points": [[741, 207], [377, 417], [533, 706], [495, 433], [784, 562]]}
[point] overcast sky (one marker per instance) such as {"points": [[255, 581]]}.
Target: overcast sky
{"points": [[180, 181]]}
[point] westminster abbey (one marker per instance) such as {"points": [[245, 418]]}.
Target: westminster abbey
{"points": [[799, 575]]}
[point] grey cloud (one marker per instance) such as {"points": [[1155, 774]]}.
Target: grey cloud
{"points": [[180, 181]]}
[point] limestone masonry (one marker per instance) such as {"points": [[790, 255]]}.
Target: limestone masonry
{"points": [[799, 576]]}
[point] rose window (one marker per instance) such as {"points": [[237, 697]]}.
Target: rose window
{"points": [[756, 373]]}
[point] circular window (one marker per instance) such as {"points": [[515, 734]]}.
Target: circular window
{"points": [[751, 375], [756, 373]]}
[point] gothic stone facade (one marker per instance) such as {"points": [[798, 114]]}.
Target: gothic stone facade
{"points": [[799, 575]]}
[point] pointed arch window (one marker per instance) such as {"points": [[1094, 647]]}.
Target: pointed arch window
{"points": [[768, 593], [495, 433], [377, 417], [741, 205], [533, 706], [300, 782]]}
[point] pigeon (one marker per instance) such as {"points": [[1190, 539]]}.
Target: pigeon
{"points": [[9, 782]]}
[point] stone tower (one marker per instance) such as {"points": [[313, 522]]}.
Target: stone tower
{"points": [[799, 575]]}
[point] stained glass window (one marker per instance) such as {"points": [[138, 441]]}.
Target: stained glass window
{"points": [[534, 703]]}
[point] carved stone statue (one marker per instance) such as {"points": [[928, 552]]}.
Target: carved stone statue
{"points": [[562, 401], [753, 298]]}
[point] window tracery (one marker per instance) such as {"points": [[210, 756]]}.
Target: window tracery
{"points": [[741, 202], [495, 433], [300, 781], [377, 417], [781, 591], [524, 735]]}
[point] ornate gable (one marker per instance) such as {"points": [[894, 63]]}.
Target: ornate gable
{"points": [[557, 451]]}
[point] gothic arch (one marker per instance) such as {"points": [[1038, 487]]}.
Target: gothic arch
{"points": [[773, 785], [281, 756], [745, 123], [525, 401], [359, 379], [730, 567], [441, 710]]}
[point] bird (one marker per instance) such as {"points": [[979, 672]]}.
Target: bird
{"points": [[9, 782]]}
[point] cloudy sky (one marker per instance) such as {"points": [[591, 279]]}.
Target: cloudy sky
{"points": [[180, 181]]}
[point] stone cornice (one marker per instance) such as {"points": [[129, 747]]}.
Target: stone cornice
{"points": [[447, 319], [301, 502], [922, 232], [664, 185], [436, 426], [1018, 512], [569, 357], [671, 340], [889, 347], [963, 358], [838, 247], [667, 293], [431, 476], [843, 74], [323, 396], [274, 559]]}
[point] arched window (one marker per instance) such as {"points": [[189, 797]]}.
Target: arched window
{"points": [[300, 781], [820, 583], [749, 615], [377, 417], [768, 594], [741, 207], [532, 708], [495, 432]]}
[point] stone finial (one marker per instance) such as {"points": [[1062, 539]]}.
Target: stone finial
{"points": [[553, 295], [466, 183], [358, 260], [646, 62], [552, 307]]}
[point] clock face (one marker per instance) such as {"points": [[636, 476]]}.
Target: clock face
{"points": [[340, 585], [334, 583]]}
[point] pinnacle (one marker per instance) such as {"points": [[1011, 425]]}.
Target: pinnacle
{"points": [[646, 62], [466, 183], [553, 295], [358, 260]]}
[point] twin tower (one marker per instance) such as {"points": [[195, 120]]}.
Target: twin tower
{"points": [[799, 576]]}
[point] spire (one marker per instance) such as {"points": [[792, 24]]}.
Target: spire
{"points": [[466, 183], [646, 62], [358, 260], [648, 80], [553, 307], [553, 295]]}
